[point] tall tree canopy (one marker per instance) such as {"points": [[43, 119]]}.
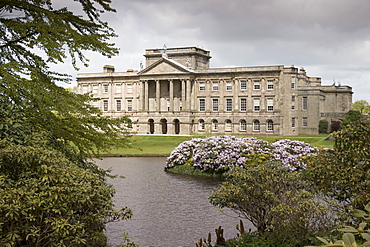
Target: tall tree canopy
{"points": [[33, 33]]}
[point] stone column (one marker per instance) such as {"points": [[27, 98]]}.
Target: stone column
{"points": [[183, 95], [146, 95], [188, 94], [142, 96], [171, 95], [158, 95]]}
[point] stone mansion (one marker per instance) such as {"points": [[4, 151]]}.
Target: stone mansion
{"points": [[178, 93]]}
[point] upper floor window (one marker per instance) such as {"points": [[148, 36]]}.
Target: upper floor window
{"points": [[304, 103], [270, 104], [243, 104], [243, 84], [229, 85], [293, 98], [256, 105], [85, 89], [118, 88], [202, 86], [95, 89], [214, 104], [105, 88], [229, 104], [256, 85], [293, 83], [129, 88], [270, 84], [202, 104], [215, 86]]}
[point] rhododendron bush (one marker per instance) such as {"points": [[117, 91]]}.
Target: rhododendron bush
{"points": [[220, 153]]}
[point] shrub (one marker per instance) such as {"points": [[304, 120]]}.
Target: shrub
{"points": [[323, 126]]}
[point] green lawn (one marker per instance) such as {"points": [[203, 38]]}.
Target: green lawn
{"points": [[163, 145]]}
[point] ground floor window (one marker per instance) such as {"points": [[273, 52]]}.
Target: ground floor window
{"points": [[256, 125], [270, 125], [201, 125], [243, 125], [214, 125], [228, 125]]}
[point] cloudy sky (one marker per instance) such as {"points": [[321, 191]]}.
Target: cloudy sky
{"points": [[329, 38]]}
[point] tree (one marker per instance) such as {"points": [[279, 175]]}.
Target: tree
{"points": [[344, 172], [351, 116], [28, 28], [361, 106], [274, 199], [51, 195]]}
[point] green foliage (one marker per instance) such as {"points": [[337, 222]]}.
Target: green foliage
{"points": [[351, 116], [277, 202], [344, 172], [353, 237], [46, 200], [362, 106], [323, 127]]}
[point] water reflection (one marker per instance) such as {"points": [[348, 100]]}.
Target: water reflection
{"points": [[169, 209]]}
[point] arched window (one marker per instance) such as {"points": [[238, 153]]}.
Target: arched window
{"points": [[214, 125], [243, 125], [176, 124], [256, 125], [228, 125], [201, 125], [151, 126], [270, 125]]}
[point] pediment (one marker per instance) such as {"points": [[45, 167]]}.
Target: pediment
{"points": [[165, 66]]}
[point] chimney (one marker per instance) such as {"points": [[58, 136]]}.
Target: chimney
{"points": [[108, 69]]}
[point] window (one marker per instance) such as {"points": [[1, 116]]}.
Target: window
{"points": [[214, 125], [256, 105], [105, 105], [243, 125], [270, 84], [201, 125], [304, 122], [202, 86], [293, 98], [168, 104], [243, 104], [304, 103], [229, 86], [293, 107], [214, 104], [243, 85], [229, 104], [118, 105], [293, 122], [95, 89], [202, 104], [84, 89], [228, 125], [129, 105], [180, 105], [256, 85], [105, 87], [256, 125], [270, 104], [215, 86], [129, 88], [270, 125], [118, 88], [293, 82]]}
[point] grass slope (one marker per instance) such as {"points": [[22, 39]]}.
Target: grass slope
{"points": [[163, 145]]}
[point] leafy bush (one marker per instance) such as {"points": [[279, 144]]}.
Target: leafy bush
{"points": [[323, 126], [46, 200]]}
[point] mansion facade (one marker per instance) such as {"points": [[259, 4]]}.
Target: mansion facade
{"points": [[178, 93]]}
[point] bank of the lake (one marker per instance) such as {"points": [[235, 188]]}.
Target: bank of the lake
{"points": [[162, 145]]}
